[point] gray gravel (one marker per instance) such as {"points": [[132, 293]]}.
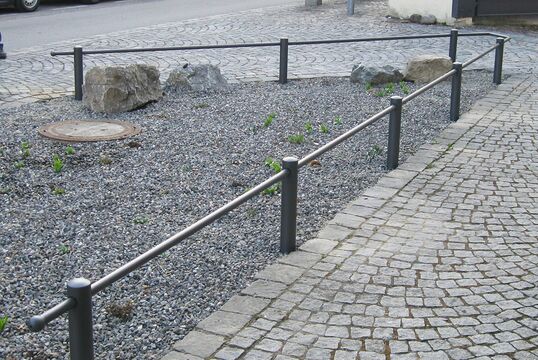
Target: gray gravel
{"points": [[195, 153]]}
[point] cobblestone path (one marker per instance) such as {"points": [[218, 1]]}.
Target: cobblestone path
{"points": [[438, 261], [33, 74]]}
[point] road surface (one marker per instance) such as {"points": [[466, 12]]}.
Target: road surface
{"points": [[59, 20]]}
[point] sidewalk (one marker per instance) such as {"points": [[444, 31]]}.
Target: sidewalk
{"points": [[34, 75], [438, 261]]}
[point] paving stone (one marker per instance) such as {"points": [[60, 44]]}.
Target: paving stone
{"points": [[199, 344], [319, 246], [247, 305], [280, 273], [224, 323]]}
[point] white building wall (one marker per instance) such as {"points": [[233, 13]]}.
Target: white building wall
{"points": [[441, 9]]}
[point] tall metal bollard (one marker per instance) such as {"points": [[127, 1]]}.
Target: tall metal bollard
{"points": [[79, 71], [499, 53], [80, 320], [455, 93], [288, 210], [350, 7], [283, 73], [453, 51], [3, 55], [393, 149]]}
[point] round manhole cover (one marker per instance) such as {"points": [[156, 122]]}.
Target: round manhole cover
{"points": [[91, 130]]}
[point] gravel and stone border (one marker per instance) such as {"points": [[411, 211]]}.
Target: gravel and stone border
{"points": [[113, 200]]}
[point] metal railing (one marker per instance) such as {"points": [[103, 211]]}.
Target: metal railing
{"points": [[284, 44], [80, 291]]}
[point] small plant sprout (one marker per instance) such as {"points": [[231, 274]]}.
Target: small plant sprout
{"points": [[296, 139], [389, 88], [57, 163], [19, 165], [105, 160], [380, 93], [323, 128], [273, 190], [140, 220], [450, 147], [269, 119], [404, 87], [308, 127], [369, 86], [338, 120], [69, 150], [429, 166], [201, 106], [374, 151], [3, 322], [274, 165], [64, 249], [58, 191], [25, 149], [122, 311]]}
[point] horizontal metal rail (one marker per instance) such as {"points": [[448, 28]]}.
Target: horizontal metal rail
{"points": [[480, 56], [322, 150], [270, 44], [37, 323]]}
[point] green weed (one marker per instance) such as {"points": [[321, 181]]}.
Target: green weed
{"points": [[308, 127], [450, 147], [429, 166], [273, 190], [105, 160], [140, 220], [374, 151], [338, 120], [25, 149], [389, 88], [69, 150], [380, 93], [369, 86], [274, 165], [323, 128], [404, 87], [57, 163], [64, 249], [296, 139], [19, 165], [58, 191], [269, 119], [201, 106], [3, 322]]}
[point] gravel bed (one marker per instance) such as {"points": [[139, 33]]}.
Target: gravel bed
{"points": [[195, 153]]}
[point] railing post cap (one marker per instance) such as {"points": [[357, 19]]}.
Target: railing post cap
{"points": [[501, 40], [36, 323], [78, 283], [456, 65], [290, 159], [454, 30], [396, 99], [77, 47]]}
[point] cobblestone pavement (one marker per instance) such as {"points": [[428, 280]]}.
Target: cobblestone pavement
{"points": [[438, 261], [33, 74]]}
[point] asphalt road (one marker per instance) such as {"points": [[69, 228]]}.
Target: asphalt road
{"points": [[59, 20]]}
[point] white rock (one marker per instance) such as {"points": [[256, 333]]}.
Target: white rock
{"points": [[425, 68]]}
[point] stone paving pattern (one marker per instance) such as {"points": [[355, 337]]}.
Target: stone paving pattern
{"points": [[439, 260], [32, 74]]}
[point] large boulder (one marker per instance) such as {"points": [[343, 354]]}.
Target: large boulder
{"points": [[113, 89], [425, 68], [195, 78], [375, 74]]}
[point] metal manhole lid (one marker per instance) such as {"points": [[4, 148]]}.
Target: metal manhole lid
{"points": [[89, 130]]}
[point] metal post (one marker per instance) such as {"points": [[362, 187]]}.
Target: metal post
{"points": [[283, 75], [499, 53], [455, 94], [3, 55], [453, 44], [79, 72], [393, 150], [288, 213], [80, 320], [350, 7]]}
